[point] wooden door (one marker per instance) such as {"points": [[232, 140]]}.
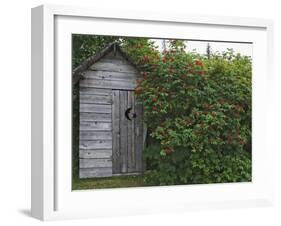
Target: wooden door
{"points": [[127, 133]]}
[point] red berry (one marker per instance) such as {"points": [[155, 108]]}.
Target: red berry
{"points": [[214, 114], [169, 150], [198, 63]]}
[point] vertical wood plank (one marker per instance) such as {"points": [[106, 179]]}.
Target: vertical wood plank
{"points": [[123, 131], [138, 135], [116, 161], [129, 124], [133, 134]]}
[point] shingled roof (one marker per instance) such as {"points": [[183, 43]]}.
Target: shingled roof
{"points": [[77, 73]]}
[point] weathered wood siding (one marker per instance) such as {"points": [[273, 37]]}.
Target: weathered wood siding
{"points": [[109, 142], [95, 133]]}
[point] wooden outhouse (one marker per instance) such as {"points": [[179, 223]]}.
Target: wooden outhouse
{"points": [[111, 120]]}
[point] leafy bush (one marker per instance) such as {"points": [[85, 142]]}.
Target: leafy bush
{"points": [[199, 111], [84, 46], [186, 167]]}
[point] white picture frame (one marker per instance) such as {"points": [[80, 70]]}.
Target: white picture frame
{"points": [[52, 197]]}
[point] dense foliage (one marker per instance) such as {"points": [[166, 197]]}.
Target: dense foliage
{"points": [[83, 46], [197, 109]]}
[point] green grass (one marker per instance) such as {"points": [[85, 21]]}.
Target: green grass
{"points": [[109, 182]]}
